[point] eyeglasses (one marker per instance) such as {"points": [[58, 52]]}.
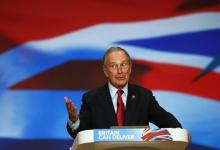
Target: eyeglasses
{"points": [[124, 65]]}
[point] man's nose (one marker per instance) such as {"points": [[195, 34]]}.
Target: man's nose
{"points": [[119, 69]]}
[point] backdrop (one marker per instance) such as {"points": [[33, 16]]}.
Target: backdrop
{"points": [[52, 48]]}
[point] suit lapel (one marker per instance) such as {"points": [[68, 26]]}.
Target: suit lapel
{"points": [[131, 106], [108, 107]]}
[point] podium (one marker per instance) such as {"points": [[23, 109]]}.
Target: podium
{"points": [[132, 139]]}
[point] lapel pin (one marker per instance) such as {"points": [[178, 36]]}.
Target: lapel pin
{"points": [[132, 97]]}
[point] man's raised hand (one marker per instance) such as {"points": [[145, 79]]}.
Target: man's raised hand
{"points": [[72, 110]]}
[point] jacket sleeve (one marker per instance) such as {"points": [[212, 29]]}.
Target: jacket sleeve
{"points": [[160, 117], [84, 117]]}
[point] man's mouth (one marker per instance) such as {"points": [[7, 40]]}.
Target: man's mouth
{"points": [[120, 78]]}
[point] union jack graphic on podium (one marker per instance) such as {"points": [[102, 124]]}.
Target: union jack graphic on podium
{"points": [[158, 134]]}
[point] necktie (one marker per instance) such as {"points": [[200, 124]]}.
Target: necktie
{"points": [[120, 108]]}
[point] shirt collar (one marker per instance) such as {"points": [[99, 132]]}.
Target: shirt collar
{"points": [[113, 90]]}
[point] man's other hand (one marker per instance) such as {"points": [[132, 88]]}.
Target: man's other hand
{"points": [[72, 110]]}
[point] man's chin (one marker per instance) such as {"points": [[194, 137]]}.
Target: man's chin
{"points": [[121, 85]]}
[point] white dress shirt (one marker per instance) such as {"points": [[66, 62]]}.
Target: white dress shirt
{"points": [[113, 92]]}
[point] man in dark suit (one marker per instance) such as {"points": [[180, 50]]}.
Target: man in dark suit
{"points": [[117, 103]]}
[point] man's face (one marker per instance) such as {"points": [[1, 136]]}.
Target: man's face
{"points": [[117, 68]]}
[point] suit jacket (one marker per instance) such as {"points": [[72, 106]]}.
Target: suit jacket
{"points": [[97, 110]]}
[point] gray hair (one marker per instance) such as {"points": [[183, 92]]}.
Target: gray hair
{"points": [[114, 49]]}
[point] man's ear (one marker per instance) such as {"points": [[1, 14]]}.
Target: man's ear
{"points": [[105, 70], [130, 66]]}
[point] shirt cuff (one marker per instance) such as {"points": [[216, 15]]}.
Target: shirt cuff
{"points": [[74, 125]]}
